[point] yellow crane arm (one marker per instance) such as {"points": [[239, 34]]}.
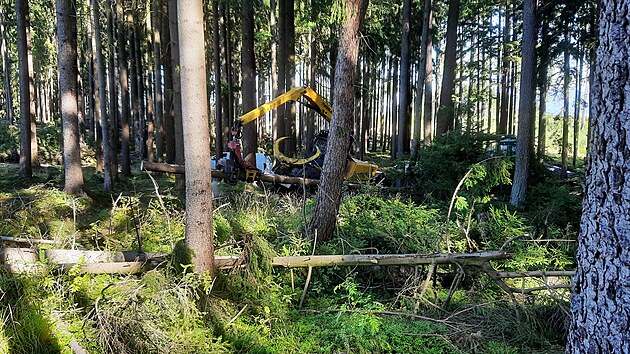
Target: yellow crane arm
{"points": [[315, 101]]}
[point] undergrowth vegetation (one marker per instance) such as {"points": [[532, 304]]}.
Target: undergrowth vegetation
{"points": [[458, 205]]}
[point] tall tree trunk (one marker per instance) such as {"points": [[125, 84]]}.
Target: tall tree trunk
{"points": [[428, 81], [542, 119], [169, 109], [225, 59], [22, 15], [394, 109], [6, 69], [113, 97], [600, 301], [505, 70], [123, 81], [274, 64], [282, 73], [158, 107], [197, 151], [216, 52], [289, 111], [324, 218], [565, 94], [102, 105], [578, 108], [140, 114], [67, 40], [177, 91], [526, 105], [405, 78], [248, 67], [446, 111], [31, 92]]}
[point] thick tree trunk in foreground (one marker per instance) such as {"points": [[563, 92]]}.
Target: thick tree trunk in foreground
{"points": [[600, 304], [195, 121], [21, 10], [329, 194], [446, 110], [67, 37], [248, 67], [526, 105]]}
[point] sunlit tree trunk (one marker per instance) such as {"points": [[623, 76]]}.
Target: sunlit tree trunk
{"points": [[67, 53], [446, 110], [199, 239], [248, 67], [22, 14], [324, 218], [600, 301], [405, 66], [428, 70], [526, 105]]}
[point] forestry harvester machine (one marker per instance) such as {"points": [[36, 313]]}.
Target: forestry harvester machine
{"points": [[296, 170], [287, 171]]}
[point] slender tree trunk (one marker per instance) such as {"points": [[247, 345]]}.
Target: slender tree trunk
{"points": [[197, 151], [22, 14], [446, 110], [394, 109], [542, 119], [282, 65], [140, 115], [67, 40], [505, 70], [600, 301], [123, 81], [274, 64], [177, 91], [102, 94], [311, 116], [526, 105], [248, 67], [428, 81], [31, 92], [226, 113], [158, 106], [289, 118], [113, 97], [329, 193], [216, 52], [405, 78], [565, 94], [169, 109], [6, 67], [578, 108]]}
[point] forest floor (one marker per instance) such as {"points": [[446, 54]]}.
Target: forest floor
{"points": [[257, 309]]}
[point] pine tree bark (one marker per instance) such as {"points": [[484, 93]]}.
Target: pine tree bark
{"points": [[282, 73], [290, 145], [428, 70], [177, 90], [123, 82], [526, 105], [505, 69], [274, 64], [22, 14], [67, 52], [199, 239], [565, 94], [600, 301], [6, 68], [326, 208], [446, 111], [405, 66], [169, 108], [158, 105], [248, 68], [216, 52], [31, 92], [113, 95], [102, 94]]}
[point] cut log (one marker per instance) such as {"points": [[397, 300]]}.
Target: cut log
{"points": [[277, 179], [537, 274], [109, 268]]}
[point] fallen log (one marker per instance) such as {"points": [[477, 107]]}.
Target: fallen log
{"points": [[476, 259], [27, 240], [278, 179], [537, 274]]}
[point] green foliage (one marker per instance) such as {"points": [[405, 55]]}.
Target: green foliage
{"points": [[370, 224], [9, 142]]}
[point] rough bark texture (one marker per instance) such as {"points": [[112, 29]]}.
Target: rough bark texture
{"points": [[21, 10], [102, 94], [600, 304], [67, 37], [195, 121], [216, 53], [526, 105], [428, 72], [6, 68], [248, 67], [403, 114], [158, 107], [329, 194], [111, 81], [177, 90], [125, 162], [446, 110]]}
